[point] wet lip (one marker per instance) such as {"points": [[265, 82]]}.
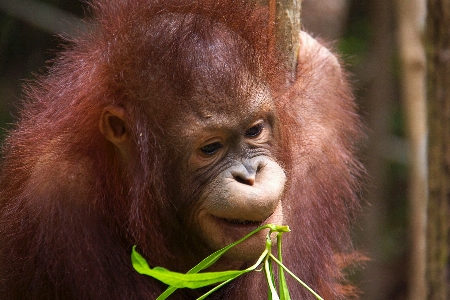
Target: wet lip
{"points": [[243, 222], [230, 230], [239, 223]]}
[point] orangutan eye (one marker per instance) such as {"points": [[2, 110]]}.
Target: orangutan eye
{"points": [[211, 148], [254, 131]]}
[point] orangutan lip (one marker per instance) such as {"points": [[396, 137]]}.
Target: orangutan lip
{"points": [[242, 222], [237, 224]]}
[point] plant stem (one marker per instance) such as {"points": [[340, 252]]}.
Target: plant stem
{"points": [[296, 278]]}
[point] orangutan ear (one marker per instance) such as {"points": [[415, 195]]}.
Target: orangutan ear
{"points": [[113, 124]]}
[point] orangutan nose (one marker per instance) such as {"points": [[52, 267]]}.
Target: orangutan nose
{"points": [[244, 173]]}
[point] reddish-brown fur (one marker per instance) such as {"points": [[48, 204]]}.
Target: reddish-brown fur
{"points": [[70, 211]]}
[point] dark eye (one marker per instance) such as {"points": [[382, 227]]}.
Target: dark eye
{"points": [[211, 148], [254, 131]]}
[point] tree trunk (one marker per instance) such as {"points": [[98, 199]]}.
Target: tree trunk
{"points": [[411, 26], [284, 26], [439, 149]]}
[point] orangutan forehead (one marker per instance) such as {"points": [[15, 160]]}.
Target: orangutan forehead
{"points": [[241, 107], [223, 111]]}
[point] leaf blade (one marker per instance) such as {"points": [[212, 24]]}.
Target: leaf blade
{"points": [[211, 259], [296, 278], [282, 284]]}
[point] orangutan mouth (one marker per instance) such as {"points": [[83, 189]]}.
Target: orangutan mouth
{"points": [[243, 222]]}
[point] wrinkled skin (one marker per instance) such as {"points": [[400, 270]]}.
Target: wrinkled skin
{"points": [[232, 152]]}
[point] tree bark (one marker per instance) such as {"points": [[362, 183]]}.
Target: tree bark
{"points": [[439, 148], [411, 26], [284, 27]]}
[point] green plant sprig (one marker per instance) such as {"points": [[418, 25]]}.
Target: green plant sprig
{"points": [[193, 279]]}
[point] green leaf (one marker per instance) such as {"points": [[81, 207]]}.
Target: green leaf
{"points": [[284, 290], [211, 259], [273, 295], [216, 288], [192, 279], [180, 280], [138, 261], [296, 278], [166, 293]]}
